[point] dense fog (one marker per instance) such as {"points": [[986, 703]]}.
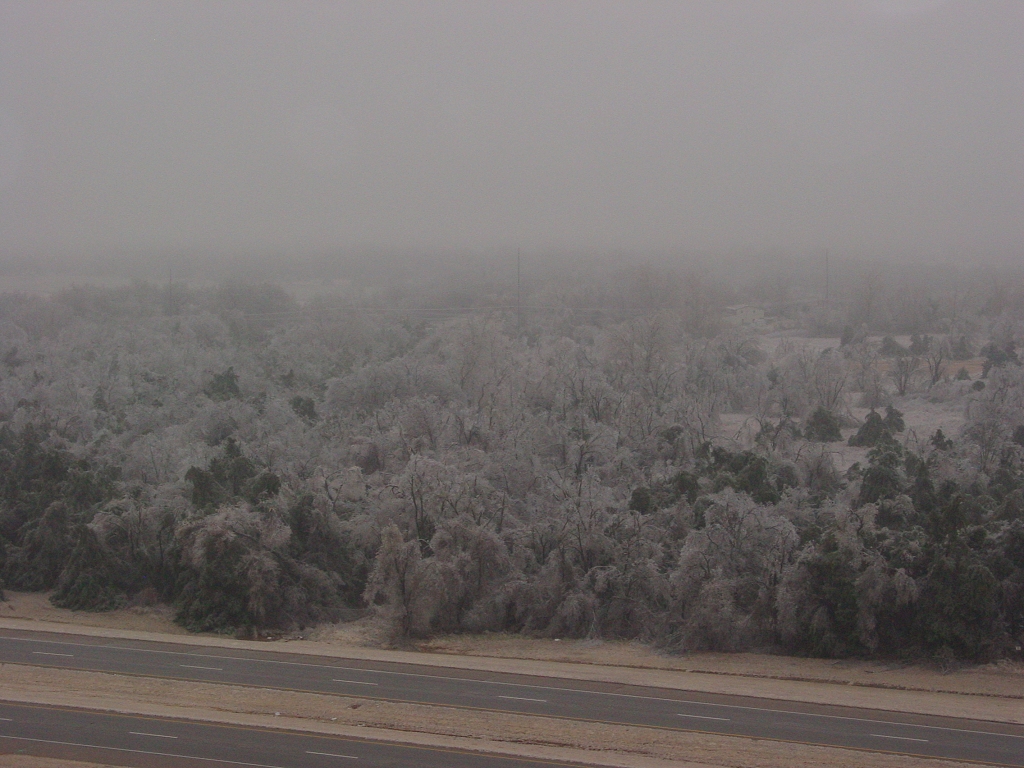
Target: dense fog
{"points": [[154, 130]]}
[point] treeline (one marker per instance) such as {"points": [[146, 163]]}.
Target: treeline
{"points": [[274, 467]]}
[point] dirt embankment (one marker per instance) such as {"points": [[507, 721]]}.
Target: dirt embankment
{"points": [[1003, 679], [36, 606], [24, 761]]}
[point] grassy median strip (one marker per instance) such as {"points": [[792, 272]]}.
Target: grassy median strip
{"points": [[526, 735]]}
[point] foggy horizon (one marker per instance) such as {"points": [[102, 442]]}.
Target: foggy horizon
{"points": [[137, 133]]}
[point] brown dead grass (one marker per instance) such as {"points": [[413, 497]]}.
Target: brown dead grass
{"points": [[24, 761], [1003, 679], [592, 743], [35, 606]]}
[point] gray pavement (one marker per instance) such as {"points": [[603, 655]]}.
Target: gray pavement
{"points": [[149, 742], [923, 735]]}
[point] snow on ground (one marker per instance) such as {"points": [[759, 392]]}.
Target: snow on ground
{"points": [[924, 411], [922, 417]]}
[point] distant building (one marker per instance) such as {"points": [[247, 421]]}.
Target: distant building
{"points": [[744, 315], [795, 306]]}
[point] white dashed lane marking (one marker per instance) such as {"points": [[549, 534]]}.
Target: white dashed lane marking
{"points": [[329, 754], [521, 698], [154, 735]]}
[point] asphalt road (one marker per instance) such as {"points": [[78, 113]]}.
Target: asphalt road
{"points": [[633, 705], [67, 734]]}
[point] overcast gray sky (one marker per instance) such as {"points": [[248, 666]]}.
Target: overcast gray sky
{"points": [[879, 128]]}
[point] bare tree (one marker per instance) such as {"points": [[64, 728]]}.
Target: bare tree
{"points": [[829, 381], [729, 572], [641, 356], [402, 585], [902, 372], [869, 376], [935, 358]]}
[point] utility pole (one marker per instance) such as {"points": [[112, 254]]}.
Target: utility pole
{"points": [[826, 278], [519, 288]]}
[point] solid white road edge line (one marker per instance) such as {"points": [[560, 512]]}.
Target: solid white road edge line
{"points": [[139, 751]]}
